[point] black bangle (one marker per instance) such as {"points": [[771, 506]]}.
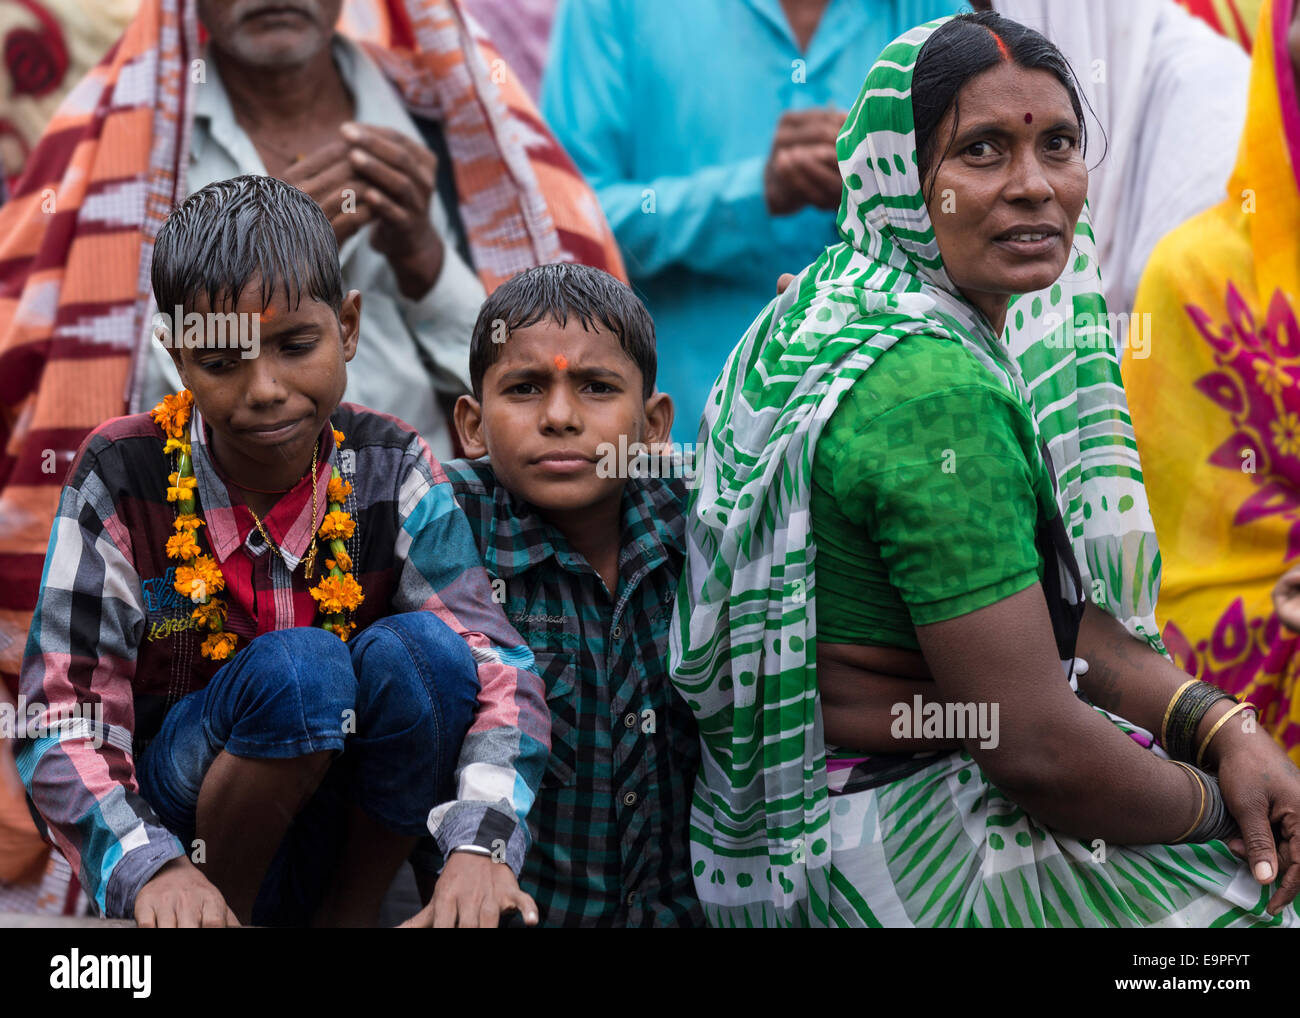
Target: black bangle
{"points": [[1186, 716]]}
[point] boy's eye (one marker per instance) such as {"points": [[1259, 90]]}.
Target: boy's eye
{"points": [[518, 388], [601, 387], [216, 365]]}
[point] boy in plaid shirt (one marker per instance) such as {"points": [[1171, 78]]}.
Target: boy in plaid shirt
{"points": [[204, 563], [583, 541]]}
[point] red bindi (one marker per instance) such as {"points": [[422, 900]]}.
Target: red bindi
{"points": [[1029, 118]]}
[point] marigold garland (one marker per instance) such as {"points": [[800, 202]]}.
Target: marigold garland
{"points": [[198, 576]]}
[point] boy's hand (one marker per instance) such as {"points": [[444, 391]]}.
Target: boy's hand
{"points": [[179, 896], [399, 177], [474, 891]]}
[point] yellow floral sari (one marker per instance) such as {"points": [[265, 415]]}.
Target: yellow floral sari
{"points": [[1216, 404]]}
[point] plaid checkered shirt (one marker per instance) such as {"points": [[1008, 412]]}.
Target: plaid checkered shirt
{"points": [[610, 825], [110, 631]]}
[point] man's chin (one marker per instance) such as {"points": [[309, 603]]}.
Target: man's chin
{"points": [[278, 51]]}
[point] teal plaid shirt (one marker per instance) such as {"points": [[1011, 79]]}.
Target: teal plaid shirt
{"points": [[610, 824]]}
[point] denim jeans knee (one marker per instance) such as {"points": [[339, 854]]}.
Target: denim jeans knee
{"points": [[284, 695], [417, 691]]}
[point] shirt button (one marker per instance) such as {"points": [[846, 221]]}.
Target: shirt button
{"points": [[629, 798], [630, 721], [618, 632]]}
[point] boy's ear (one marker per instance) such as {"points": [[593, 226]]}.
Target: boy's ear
{"points": [[350, 321], [659, 412], [469, 425]]}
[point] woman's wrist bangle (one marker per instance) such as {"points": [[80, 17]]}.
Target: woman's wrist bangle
{"points": [[1205, 743], [1200, 813], [1164, 725], [1184, 716], [1213, 821]]}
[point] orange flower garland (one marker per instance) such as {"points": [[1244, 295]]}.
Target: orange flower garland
{"points": [[338, 592], [198, 576]]}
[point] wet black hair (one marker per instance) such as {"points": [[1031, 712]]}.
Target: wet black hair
{"points": [[222, 235], [960, 49], [555, 292]]}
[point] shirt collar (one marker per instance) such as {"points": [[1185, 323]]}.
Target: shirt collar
{"points": [[520, 539], [290, 522]]}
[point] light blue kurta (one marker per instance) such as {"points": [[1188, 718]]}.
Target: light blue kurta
{"points": [[669, 107]]}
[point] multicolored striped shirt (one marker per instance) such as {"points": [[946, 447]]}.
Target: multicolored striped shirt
{"points": [[111, 632], [610, 824]]}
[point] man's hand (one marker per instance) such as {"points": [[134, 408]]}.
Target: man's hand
{"points": [[399, 176], [1286, 599], [802, 168], [335, 186], [473, 890], [179, 896]]}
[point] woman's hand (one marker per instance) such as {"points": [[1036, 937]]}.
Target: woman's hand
{"points": [[1261, 788]]}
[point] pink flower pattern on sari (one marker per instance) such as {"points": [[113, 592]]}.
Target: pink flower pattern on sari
{"points": [[1256, 382]]}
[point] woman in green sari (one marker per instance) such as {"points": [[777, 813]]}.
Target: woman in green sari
{"points": [[915, 622]]}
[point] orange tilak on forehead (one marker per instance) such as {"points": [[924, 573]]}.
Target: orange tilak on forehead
{"points": [[266, 315], [560, 361], [1002, 46]]}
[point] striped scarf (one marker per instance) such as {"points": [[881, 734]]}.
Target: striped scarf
{"points": [[743, 650], [76, 238]]}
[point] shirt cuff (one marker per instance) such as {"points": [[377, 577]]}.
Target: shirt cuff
{"points": [[133, 871], [481, 825]]}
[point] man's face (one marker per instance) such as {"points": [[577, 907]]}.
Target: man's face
{"points": [[268, 410], [270, 33], [551, 402]]}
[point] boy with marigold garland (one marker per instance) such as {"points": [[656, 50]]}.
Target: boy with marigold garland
{"points": [[280, 608]]}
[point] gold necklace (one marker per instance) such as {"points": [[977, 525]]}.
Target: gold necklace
{"points": [[310, 558]]}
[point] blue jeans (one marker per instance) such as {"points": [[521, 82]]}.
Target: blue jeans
{"points": [[396, 701]]}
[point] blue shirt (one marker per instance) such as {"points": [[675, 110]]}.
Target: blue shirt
{"points": [[668, 107]]}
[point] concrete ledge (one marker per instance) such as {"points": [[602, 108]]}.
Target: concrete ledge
{"points": [[25, 921]]}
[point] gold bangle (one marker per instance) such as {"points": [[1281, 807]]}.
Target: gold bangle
{"points": [[1205, 743], [1200, 783], [1164, 725]]}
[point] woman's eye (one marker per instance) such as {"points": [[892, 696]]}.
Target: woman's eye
{"points": [[979, 149], [1060, 143]]}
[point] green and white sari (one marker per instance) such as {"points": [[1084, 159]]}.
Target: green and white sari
{"points": [[771, 844]]}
